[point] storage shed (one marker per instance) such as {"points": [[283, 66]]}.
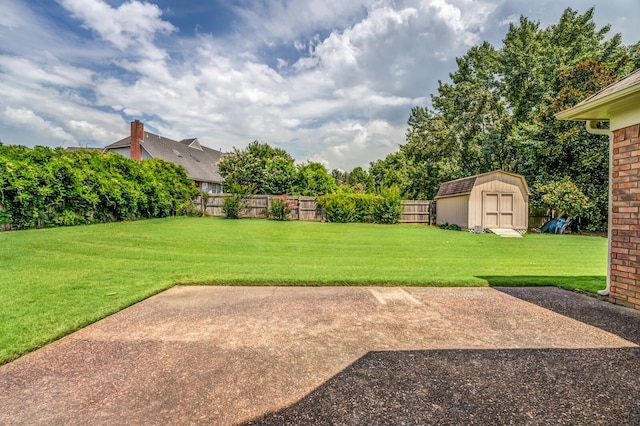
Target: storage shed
{"points": [[490, 200]]}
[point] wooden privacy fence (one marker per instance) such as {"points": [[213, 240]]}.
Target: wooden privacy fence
{"points": [[538, 217], [414, 211], [4, 226], [257, 205], [308, 209]]}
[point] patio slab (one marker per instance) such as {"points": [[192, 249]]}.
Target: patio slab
{"points": [[230, 355]]}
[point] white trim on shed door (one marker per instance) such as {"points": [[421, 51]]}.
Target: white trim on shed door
{"points": [[497, 209]]}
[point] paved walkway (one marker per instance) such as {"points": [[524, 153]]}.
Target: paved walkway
{"points": [[338, 355]]}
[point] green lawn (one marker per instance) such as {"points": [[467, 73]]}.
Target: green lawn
{"points": [[55, 281]]}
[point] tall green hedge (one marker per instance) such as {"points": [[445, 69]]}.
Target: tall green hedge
{"points": [[345, 207], [43, 187]]}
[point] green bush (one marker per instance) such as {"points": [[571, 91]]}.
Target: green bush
{"points": [[450, 226], [340, 208], [364, 207], [232, 205], [280, 208], [66, 218], [5, 217], [42, 187], [236, 201], [387, 208]]}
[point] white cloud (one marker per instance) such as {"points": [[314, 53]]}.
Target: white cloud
{"points": [[45, 73], [131, 23], [283, 21], [25, 118], [84, 130], [345, 100], [507, 20], [329, 81], [351, 142]]}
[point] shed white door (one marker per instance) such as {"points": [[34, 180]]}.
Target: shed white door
{"points": [[497, 210]]}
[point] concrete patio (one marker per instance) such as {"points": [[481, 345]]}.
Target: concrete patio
{"points": [[336, 355]]}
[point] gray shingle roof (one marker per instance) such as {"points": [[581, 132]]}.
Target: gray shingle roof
{"points": [[199, 161], [457, 187], [119, 144]]}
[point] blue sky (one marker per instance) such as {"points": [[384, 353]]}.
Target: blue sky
{"points": [[327, 80]]}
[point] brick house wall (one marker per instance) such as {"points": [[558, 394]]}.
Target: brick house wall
{"points": [[625, 230]]}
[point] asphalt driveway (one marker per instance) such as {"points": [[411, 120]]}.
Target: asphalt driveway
{"points": [[338, 355]]}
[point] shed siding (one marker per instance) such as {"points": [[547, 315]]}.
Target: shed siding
{"points": [[453, 210], [499, 183]]}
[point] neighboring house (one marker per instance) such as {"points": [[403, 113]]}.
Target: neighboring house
{"points": [[493, 200], [619, 106], [199, 161]]}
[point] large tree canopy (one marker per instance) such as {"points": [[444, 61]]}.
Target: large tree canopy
{"points": [[497, 112], [268, 170]]}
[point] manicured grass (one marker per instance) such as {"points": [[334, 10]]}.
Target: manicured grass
{"points": [[55, 281]]}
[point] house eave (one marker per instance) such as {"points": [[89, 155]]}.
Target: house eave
{"points": [[603, 108]]}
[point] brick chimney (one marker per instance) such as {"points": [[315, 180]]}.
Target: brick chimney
{"points": [[137, 136]]}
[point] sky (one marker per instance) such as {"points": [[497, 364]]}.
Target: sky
{"points": [[331, 81]]}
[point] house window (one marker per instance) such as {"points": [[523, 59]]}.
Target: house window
{"points": [[194, 157], [176, 152], [211, 188]]}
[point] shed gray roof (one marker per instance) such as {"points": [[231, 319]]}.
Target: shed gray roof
{"points": [[199, 161], [457, 187]]}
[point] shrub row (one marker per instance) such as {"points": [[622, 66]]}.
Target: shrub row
{"points": [[384, 208], [43, 187]]}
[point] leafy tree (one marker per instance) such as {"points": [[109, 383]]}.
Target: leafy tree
{"points": [[341, 177], [415, 179], [396, 170], [564, 198], [280, 176], [360, 180], [497, 112], [270, 170], [357, 180], [314, 180], [471, 108]]}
